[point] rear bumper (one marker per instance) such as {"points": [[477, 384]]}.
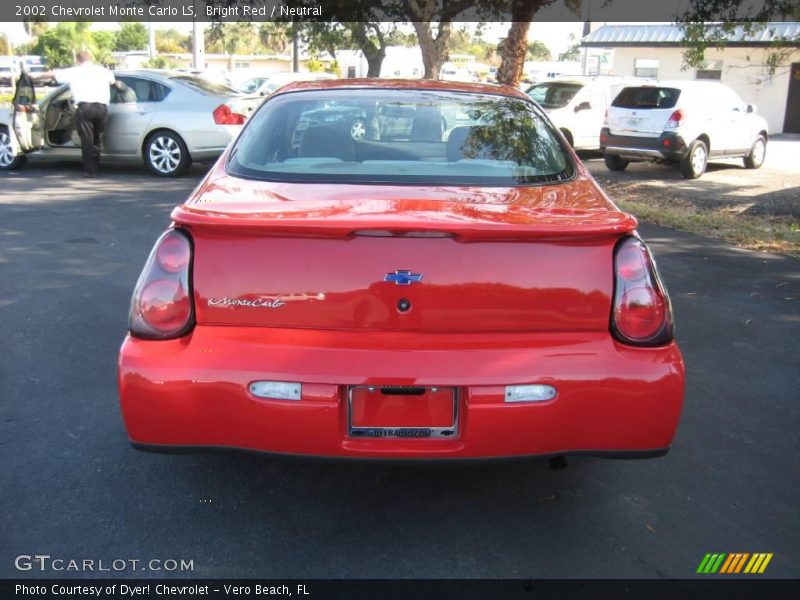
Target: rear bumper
{"points": [[668, 146], [193, 393]]}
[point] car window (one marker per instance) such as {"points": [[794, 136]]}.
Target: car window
{"points": [[554, 94], [402, 136], [251, 85], [647, 97], [134, 89], [204, 86]]}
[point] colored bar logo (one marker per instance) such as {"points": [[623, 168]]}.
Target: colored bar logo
{"points": [[734, 563]]}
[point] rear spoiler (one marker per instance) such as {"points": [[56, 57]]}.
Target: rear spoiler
{"points": [[463, 221]]}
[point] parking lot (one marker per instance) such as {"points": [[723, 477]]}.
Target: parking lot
{"points": [[70, 253]]}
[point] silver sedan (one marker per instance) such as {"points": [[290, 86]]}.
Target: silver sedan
{"points": [[162, 118]]}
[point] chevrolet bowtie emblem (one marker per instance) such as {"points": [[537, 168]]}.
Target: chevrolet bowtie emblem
{"points": [[401, 277]]}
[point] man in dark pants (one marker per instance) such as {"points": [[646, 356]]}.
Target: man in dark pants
{"points": [[90, 86]]}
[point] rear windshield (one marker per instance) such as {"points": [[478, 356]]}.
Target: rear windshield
{"points": [[204, 85], [553, 94], [251, 85], [399, 136], [647, 97]]}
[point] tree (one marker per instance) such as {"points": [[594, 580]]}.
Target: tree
{"points": [[5, 47], [464, 41], [60, 44], [161, 62], [172, 41], [131, 36], [238, 37], [434, 43], [712, 24], [275, 38], [514, 48], [35, 26], [371, 37], [538, 51], [103, 42], [573, 52]]}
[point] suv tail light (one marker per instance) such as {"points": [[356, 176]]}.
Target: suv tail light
{"points": [[161, 307], [675, 119], [223, 115], [642, 314]]}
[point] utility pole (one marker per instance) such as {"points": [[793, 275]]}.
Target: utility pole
{"points": [[295, 51], [198, 46], [151, 40], [587, 29]]}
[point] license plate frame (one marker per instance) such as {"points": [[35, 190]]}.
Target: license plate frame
{"points": [[449, 431]]}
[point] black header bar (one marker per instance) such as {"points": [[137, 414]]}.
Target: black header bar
{"points": [[371, 10]]}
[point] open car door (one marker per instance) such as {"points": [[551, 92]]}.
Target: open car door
{"points": [[26, 119]]}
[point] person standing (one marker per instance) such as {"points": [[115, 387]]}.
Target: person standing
{"points": [[90, 86]]}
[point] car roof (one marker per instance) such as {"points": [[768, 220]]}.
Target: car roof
{"points": [[404, 84], [681, 84]]}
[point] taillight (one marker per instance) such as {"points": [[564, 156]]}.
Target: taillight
{"points": [[675, 119], [642, 314], [161, 307], [223, 115]]}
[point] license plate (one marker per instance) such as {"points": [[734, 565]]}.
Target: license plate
{"points": [[402, 412], [633, 123]]}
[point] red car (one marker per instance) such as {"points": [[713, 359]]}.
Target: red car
{"points": [[401, 269]]}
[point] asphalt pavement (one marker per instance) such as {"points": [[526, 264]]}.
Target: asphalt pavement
{"points": [[72, 487]]}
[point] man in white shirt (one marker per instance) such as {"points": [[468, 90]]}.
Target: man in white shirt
{"points": [[90, 86]]}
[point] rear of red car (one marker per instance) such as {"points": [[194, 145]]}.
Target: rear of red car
{"points": [[300, 313]]}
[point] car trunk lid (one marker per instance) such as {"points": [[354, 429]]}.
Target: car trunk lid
{"points": [[403, 258]]}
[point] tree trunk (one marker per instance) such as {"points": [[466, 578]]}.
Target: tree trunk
{"points": [[434, 49], [374, 54], [515, 46]]}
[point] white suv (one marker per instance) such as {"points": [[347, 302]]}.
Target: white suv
{"points": [[684, 123], [577, 104]]}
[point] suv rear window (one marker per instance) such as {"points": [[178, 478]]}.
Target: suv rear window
{"points": [[400, 136], [647, 97]]}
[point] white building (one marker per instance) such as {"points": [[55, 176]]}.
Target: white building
{"points": [[401, 61], [657, 51], [542, 70]]}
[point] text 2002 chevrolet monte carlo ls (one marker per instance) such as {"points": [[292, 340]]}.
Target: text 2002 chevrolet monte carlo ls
{"points": [[401, 269]]}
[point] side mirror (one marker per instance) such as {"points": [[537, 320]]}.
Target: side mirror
{"points": [[751, 108], [583, 106]]}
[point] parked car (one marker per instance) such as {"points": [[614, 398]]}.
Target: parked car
{"points": [[684, 123], [459, 295], [265, 84], [9, 70], [165, 119], [577, 105]]}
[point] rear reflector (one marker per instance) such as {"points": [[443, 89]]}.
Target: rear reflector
{"points": [[530, 393], [276, 390]]}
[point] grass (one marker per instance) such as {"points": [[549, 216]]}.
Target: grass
{"points": [[768, 233], [6, 98]]}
